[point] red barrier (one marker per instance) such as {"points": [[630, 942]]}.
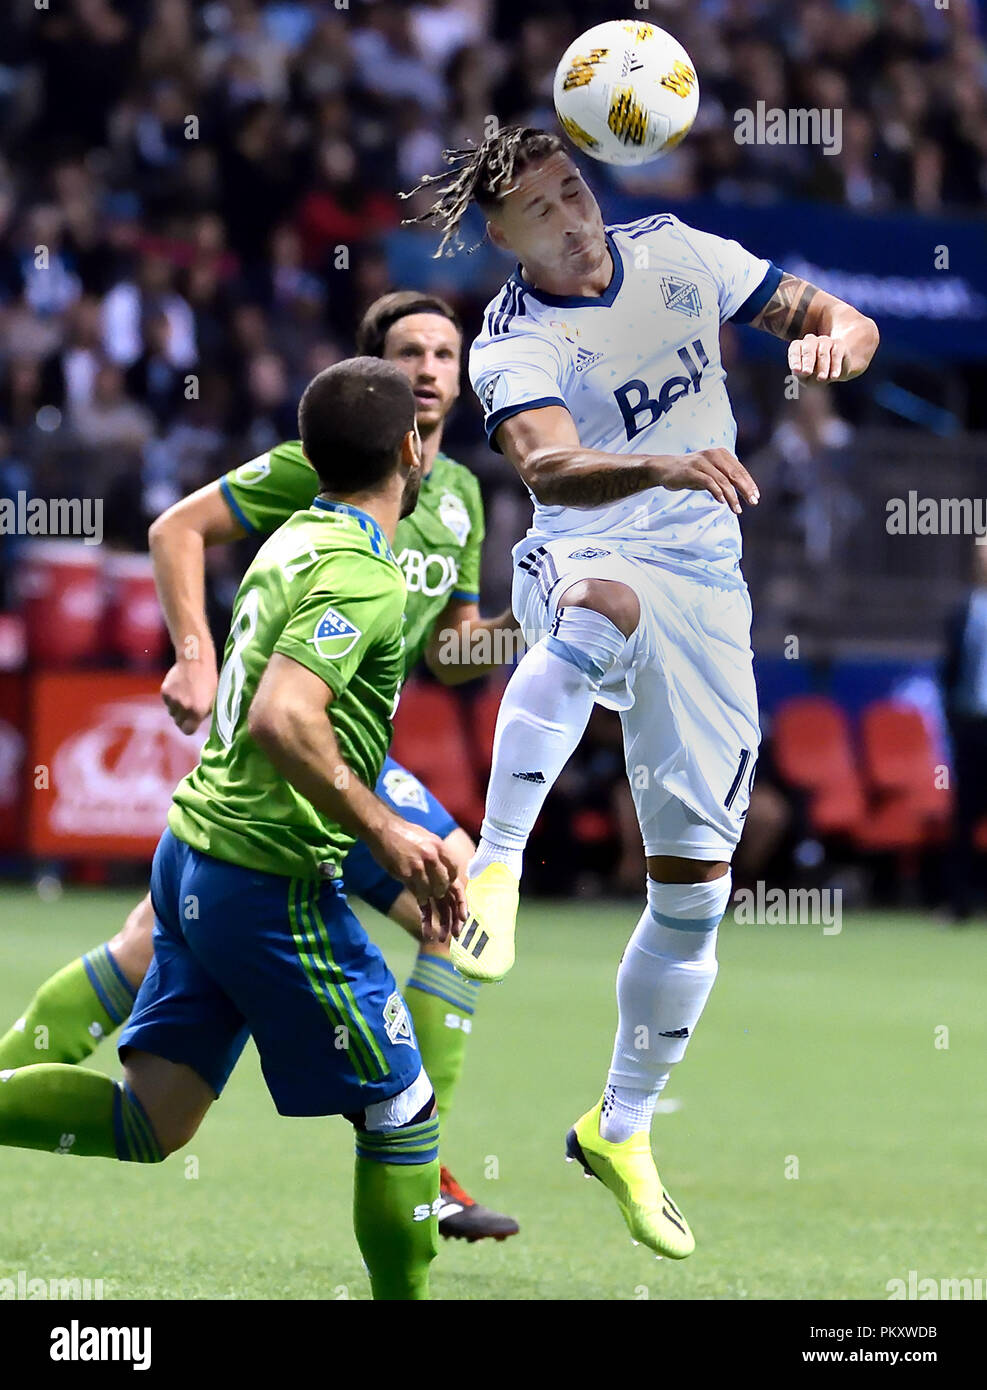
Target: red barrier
{"points": [[105, 758]]}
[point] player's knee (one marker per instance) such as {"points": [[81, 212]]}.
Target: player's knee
{"points": [[161, 1103], [171, 1128], [613, 600], [586, 639], [412, 1106], [133, 945], [171, 1138]]}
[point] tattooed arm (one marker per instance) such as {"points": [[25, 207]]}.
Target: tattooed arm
{"points": [[544, 447], [828, 339]]}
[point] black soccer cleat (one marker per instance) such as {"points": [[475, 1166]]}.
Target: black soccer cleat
{"points": [[461, 1218]]}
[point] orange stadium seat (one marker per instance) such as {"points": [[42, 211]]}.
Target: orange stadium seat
{"points": [[908, 810], [813, 751], [430, 741]]}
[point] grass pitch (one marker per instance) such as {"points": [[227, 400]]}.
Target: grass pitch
{"points": [[817, 1057]]}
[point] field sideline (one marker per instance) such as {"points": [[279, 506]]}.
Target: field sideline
{"points": [[813, 1048]]}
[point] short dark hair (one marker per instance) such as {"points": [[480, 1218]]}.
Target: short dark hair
{"points": [[352, 418], [385, 312], [481, 175]]}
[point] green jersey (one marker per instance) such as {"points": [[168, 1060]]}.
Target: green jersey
{"points": [[437, 546], [326, 591]]}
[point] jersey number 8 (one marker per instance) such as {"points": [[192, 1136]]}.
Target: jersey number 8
{"points": [[230, 690]]}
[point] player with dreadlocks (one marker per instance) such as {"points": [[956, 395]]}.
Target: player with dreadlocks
{"points": [[598, 367]]}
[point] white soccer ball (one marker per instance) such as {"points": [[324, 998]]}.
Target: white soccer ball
{"points": [[626, 92]]}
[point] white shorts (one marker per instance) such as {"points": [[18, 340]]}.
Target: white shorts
{"points": [[684, 688]]}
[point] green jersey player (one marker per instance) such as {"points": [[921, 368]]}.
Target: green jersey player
{"points": [[438, 548], [253, 935]]}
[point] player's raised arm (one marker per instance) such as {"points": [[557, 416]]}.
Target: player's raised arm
{"points": [[254, 499], [178, 540], [829, 339], [544, 447], [289, 720]]}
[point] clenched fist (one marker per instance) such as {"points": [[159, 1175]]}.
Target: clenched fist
{"points": [[188, 691], [815, 358]]}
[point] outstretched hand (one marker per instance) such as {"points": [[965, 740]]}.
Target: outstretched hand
{"points": [[715, 471]]}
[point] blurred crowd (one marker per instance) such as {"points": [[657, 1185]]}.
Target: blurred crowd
{"points": [[197, 199]]}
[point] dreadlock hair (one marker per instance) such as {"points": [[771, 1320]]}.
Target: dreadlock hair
{"points": [[480, 174]]}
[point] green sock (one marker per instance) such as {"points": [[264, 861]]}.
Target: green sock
{"points": [[441, 1005], [71, 1013], [395, 1204], [74, 1110]]}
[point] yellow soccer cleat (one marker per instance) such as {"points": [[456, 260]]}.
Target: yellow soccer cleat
{"points": [[484, 950], [629, 1171]]}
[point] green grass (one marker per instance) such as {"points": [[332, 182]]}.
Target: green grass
{"points": [[817, 1047]]}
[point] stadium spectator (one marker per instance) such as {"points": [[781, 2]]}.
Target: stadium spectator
{"points": [[69, 372], [110, 419], [339, 210], [130, 302], [389, 65], [153, 378]]}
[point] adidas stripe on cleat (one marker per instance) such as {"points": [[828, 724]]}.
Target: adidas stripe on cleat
{"points": [[484, 950], [628, 1171]]}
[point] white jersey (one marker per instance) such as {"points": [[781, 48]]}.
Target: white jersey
{"points": [[638, 368]]}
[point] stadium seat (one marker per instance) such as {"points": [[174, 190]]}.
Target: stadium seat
{"points": [[907, 809], [430, 741], [813, 751]]}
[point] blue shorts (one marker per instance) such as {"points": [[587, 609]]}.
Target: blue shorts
{"points": [[238, 952], [362, 875]]}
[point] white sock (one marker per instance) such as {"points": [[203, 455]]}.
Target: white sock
{"points": [[664, 979], [542, 717]]}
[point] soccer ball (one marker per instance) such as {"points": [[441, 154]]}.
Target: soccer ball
{"points": [[626, 92]]}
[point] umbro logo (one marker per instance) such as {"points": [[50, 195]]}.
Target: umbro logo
{"points": [[538, 777], [675, 1033]]}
